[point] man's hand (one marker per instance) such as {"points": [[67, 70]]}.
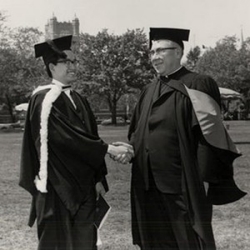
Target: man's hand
{"points": [[206, 186], [100, 190], [121, 152]]}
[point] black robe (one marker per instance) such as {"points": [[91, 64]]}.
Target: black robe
{"points": [[194, 151], [75, 153]]}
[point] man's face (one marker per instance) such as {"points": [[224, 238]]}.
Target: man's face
{"points": [[65, 69], [165, 56]]}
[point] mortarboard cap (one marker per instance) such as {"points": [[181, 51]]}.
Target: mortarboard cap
{"points": [[175, 35], [50, 48]]}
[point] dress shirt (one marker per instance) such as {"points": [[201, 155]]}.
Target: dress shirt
{"points": [[66, 91]]}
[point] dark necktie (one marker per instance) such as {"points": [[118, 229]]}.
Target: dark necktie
{"points": [[66, 87]]}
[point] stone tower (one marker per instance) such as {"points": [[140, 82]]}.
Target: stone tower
{"points": [[54, 29]]}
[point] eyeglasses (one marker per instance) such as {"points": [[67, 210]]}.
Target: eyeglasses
{"points": [[68, 62], [160, 51]]}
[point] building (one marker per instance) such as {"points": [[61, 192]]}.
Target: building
{"points": [[54, 29]]}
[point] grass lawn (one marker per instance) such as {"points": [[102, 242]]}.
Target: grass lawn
{"points": [[230, 222]]}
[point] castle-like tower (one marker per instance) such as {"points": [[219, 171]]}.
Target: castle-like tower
{"points": [[54, 29]]}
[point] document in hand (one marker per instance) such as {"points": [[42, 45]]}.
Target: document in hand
{"points": [[102, 211]]}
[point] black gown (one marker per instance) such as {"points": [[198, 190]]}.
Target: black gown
{"points": [[168, 198], [64, 214]]}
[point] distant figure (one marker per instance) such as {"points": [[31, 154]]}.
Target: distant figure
{"points": [[62, 162]]}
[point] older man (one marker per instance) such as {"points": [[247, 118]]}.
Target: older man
{"points": [[181, 148]]}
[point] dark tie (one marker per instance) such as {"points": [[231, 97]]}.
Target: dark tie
{"points": [[64, 87]]}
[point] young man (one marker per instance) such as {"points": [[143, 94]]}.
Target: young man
{"points": [[62, 163], [181, 148]]}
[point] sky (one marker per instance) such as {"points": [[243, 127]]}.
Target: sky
{"points": [[208, 20]]}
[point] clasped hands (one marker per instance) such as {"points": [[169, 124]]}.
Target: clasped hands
{"points": [[121, 152]]}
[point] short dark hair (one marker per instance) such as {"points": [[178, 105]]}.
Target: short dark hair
{"points": [[53, 59]]}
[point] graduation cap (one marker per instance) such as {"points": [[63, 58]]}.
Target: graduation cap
{"points": [[53, 48], [175, 35]]}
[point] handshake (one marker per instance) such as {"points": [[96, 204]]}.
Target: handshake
{"points": [[121, 152]]}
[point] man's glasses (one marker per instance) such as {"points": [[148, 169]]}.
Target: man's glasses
{"points": [[160, 51], [69, 62]]}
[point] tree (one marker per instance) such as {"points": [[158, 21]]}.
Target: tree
{"points": [[220, 63], [18, 68], [31, 70], [229, 65], [2, 20], [4, 31], [192, 57], [8, 70], [112, 66], [244, 72]]}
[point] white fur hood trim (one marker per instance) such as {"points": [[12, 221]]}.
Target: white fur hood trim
{"points": [[50, 97]]}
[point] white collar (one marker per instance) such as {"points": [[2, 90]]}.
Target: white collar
{"points": [[56, 82], [174, 71]]}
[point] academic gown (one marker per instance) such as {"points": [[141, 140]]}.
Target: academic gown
{"points": [[201, 158], [75, 160]]}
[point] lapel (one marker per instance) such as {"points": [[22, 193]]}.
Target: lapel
{"points": [[173, 85], [150, 97], [82, 110], [76, 102], [147, 105], [80, 113], [156, 93], [165, 89], [77, 109], [178, 85], [65, 105], [69, 102]]}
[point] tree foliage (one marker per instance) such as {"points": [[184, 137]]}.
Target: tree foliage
{"points": [[23, 40], [113, 66], [193, 57], [229, 64], [18, 68], [2, 20], [4, 30], [225, 63]]}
